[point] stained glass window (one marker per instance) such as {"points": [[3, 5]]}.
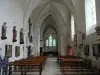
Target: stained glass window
{"points": [[50, 38]]}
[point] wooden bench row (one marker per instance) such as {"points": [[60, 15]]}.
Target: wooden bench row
{"points": [[33, 64], [76, 66], [73, 61]]}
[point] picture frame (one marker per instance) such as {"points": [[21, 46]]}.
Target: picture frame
{"points": [[17, 51], [86, 50], [96, 50], [8, 51]]}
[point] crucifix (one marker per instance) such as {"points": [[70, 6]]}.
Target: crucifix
{"points": [[29, 34]]}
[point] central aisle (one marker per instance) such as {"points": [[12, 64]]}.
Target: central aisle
{"points": [[51, 67]]}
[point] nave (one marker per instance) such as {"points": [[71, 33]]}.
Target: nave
{"points": [[42, 65]]}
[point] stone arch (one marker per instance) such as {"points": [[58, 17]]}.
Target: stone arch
{"points": [[44, 25], [44, 14], [47, 19], [61, 27], [35, 4], [50, 31], [42, 17]]}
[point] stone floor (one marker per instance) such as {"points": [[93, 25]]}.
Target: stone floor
{"points": [[51, 67]]}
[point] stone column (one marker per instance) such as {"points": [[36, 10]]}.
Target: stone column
{"points": [[36, 41], [25, 45], [64, 45]]}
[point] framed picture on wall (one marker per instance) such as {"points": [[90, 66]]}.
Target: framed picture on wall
{"points": [[17, 51], [86, 50], [8, 51], [96, 49]]}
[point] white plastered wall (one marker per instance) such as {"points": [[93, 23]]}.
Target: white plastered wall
{"points": [[15, 13], [11, 12], [91, 38]]}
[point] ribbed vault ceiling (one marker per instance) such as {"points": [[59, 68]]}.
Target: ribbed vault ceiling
{"points": [[58, 11], [40, 9]]}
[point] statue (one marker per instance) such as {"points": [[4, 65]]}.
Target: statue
{"points": [[31, 38], [14, 34], [29, 51], [29, 34], [21, 36], [69, 51], [4, 29]]}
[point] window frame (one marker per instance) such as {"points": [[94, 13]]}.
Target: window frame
{"points": [[90, 15], [51, 43]]}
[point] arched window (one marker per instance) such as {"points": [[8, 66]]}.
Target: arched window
{"points": [[50, 41], [90, 10], [50, 38], [72, 27]]}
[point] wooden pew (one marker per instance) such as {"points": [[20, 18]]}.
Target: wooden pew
{"points": [[82, 73], [24, 67], [67, 57], [76, 66], [79, 71], [71, 62], [27, 65], [75, 61]]}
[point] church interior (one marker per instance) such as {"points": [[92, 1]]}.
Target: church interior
{"points": [[49, 37]]}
